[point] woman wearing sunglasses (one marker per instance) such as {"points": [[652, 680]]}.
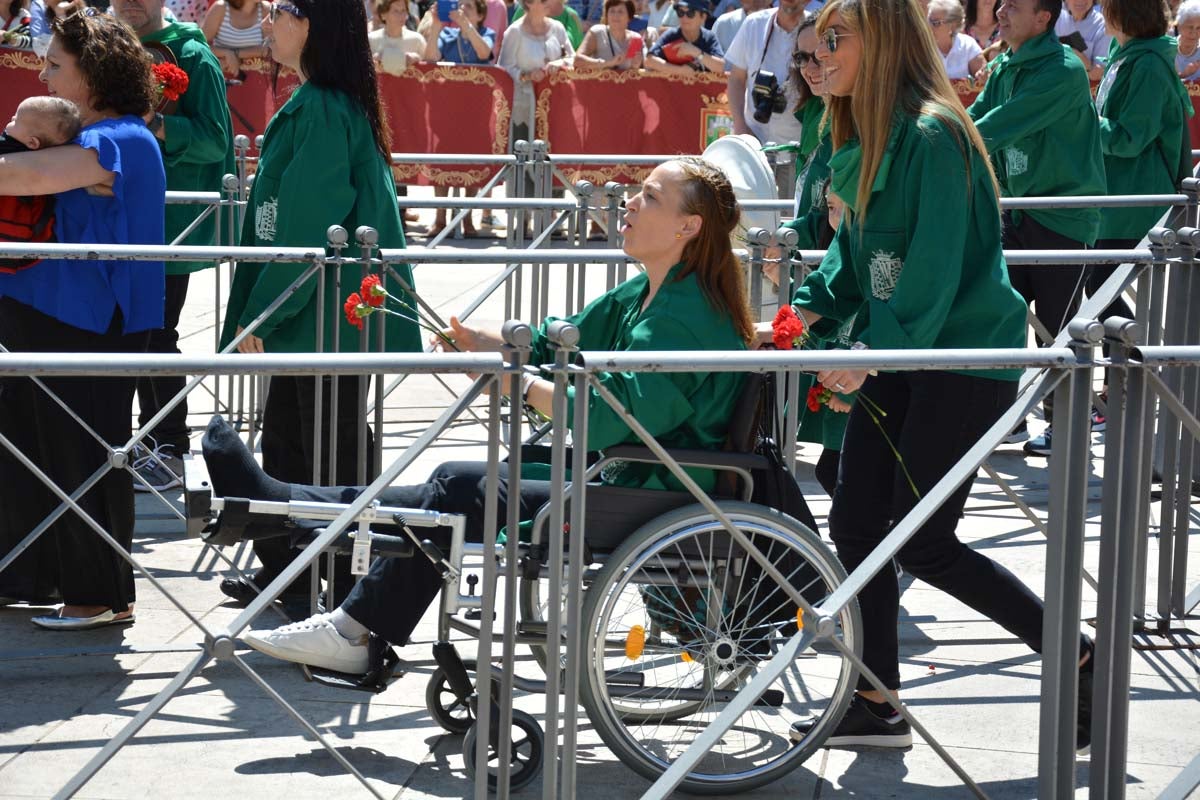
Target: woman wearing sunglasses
{"points": [[918, 260], [689, 48], [325, 161]]}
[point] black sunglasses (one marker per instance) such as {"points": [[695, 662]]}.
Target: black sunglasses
{"points": [[287, 8], [802, 59], [684, 11]]}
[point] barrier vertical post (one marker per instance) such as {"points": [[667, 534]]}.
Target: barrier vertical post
{"points": [[785, 171], [367, 238], [1066, 518], [518, 227], [541, 298], [564, 337], [576, 279], [614, 194], [1118, 561], [757, 239], [1189, 394]]}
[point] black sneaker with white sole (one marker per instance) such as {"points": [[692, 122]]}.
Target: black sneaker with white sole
{"points": [[1040, 445], [861, 728]]}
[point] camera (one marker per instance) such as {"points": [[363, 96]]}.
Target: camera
{"points": [[766, 96]]}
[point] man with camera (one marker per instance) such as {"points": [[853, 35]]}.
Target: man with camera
{"points": [[760, 95]]}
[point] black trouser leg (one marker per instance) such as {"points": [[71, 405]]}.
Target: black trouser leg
{"points": [[826, 471], [89, 571], [933, 418], [154, 393], [394, 596], [289, 421], [1053, 292], [1096, 276]]}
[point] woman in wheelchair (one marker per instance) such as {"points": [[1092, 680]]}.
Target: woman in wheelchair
{"points": [[691, 296]]}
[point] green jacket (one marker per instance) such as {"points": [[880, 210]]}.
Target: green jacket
{"points": [[1035, 115], [681, 409], [924, 268], [1143, 131], [319, 167], [812, 205], [198, 137]]}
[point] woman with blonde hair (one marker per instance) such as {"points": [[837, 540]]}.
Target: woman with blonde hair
{"points": [[918, 259]]}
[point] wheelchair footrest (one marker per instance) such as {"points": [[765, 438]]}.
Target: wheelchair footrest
{"points": [[382, 669]]}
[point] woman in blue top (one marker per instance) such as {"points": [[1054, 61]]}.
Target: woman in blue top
{"points": [[110, 189], [470, 43]]}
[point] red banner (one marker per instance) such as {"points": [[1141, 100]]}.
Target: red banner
{"points": [[18, 79], [444, 109], [629, 113]]}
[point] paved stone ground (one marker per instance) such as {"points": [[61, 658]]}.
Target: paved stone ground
{"points": [[974, 686]]}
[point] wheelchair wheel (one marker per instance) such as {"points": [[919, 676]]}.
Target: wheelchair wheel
{"points": [[447, 710], [525, 753], [717, 619]]}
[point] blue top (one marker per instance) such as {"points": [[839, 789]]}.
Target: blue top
{"points": [[458, 50], [86, 293], [707, 43]]}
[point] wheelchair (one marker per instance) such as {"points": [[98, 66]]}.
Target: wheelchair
{"points": [[676, 619]]}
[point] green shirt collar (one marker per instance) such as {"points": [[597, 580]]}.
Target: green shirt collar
{"points": [[1039, 46], [846, 164]]}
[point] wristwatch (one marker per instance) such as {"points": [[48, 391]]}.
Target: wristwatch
{"points": [[155, 124]]}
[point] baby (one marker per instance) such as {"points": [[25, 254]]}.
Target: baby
{"points": [[38, 122]]}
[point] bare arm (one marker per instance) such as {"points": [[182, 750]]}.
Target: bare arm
{"points": [[585, 56], [656, 64], [212, 20], [53, 170], [736, 91]]}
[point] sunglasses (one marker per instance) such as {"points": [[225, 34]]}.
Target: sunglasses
{"points": [[287, 8], [830, 38], [684, 11], [937, 23], [802, 59]]}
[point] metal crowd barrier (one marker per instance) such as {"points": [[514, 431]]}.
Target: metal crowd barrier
{"points": [[1069, 374]]}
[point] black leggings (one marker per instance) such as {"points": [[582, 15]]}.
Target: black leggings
{"points": [[393, 597], [933, 418]]}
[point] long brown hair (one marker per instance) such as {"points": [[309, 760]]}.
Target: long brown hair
{"points": [[901, 70], [709, 194]]}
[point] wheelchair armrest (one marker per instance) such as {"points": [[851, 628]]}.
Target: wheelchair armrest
{"points": [[197, 495], [689, 457]]}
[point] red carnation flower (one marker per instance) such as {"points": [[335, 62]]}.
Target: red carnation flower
{"points": [[818, 396], [172, 81], [356, 310], [787, 329], [373, 293]]}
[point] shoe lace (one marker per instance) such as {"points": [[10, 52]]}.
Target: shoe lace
{"points": [[158, 454], [310, 624]]}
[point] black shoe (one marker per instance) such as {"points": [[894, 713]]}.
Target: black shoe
{"points": [[243, 593], [1040, 446], [1083, 717], [861, 728]]}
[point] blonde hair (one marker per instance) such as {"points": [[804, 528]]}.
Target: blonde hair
{"points": [[901, 70]]}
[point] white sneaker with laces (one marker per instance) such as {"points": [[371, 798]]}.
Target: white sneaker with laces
{"points": [[161, 468], [313, 641]]}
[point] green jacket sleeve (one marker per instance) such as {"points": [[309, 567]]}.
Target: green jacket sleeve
{"points": [[984, 102], [194, 134], [314, 192], [832, 289], [657, 400], [916, 311], [808, 228], [1035, 107], [1141, 116]]}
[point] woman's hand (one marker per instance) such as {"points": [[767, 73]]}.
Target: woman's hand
{"points": [[763, 335], [230, 63], [689, 49], [837, 404], [473, 340], [251, 344], [460, 19], [842, 381]]}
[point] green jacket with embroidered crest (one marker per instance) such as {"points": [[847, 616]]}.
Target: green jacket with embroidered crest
{"points": [[680, 409], [1036, 116], [319, 167], [924, 267]]}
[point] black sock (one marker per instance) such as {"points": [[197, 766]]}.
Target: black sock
{"points": [[233, 470], [881, 710]]}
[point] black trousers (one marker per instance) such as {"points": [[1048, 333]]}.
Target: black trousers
{"points": [[1053, 292], [393, 597], [933, 418], [1096, 276], [69, 556], [154, 393], [289, 421]]}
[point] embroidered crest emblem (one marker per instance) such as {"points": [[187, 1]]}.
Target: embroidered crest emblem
{"points": [[885, 272], [819, 200], [1018, 162], [264, 219]]}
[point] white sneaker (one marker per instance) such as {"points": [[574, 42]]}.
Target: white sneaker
{"points": [[313, 641]]}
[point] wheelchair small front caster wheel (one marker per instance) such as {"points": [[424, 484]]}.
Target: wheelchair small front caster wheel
{"points": [[453, 713], [525, 753]]}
